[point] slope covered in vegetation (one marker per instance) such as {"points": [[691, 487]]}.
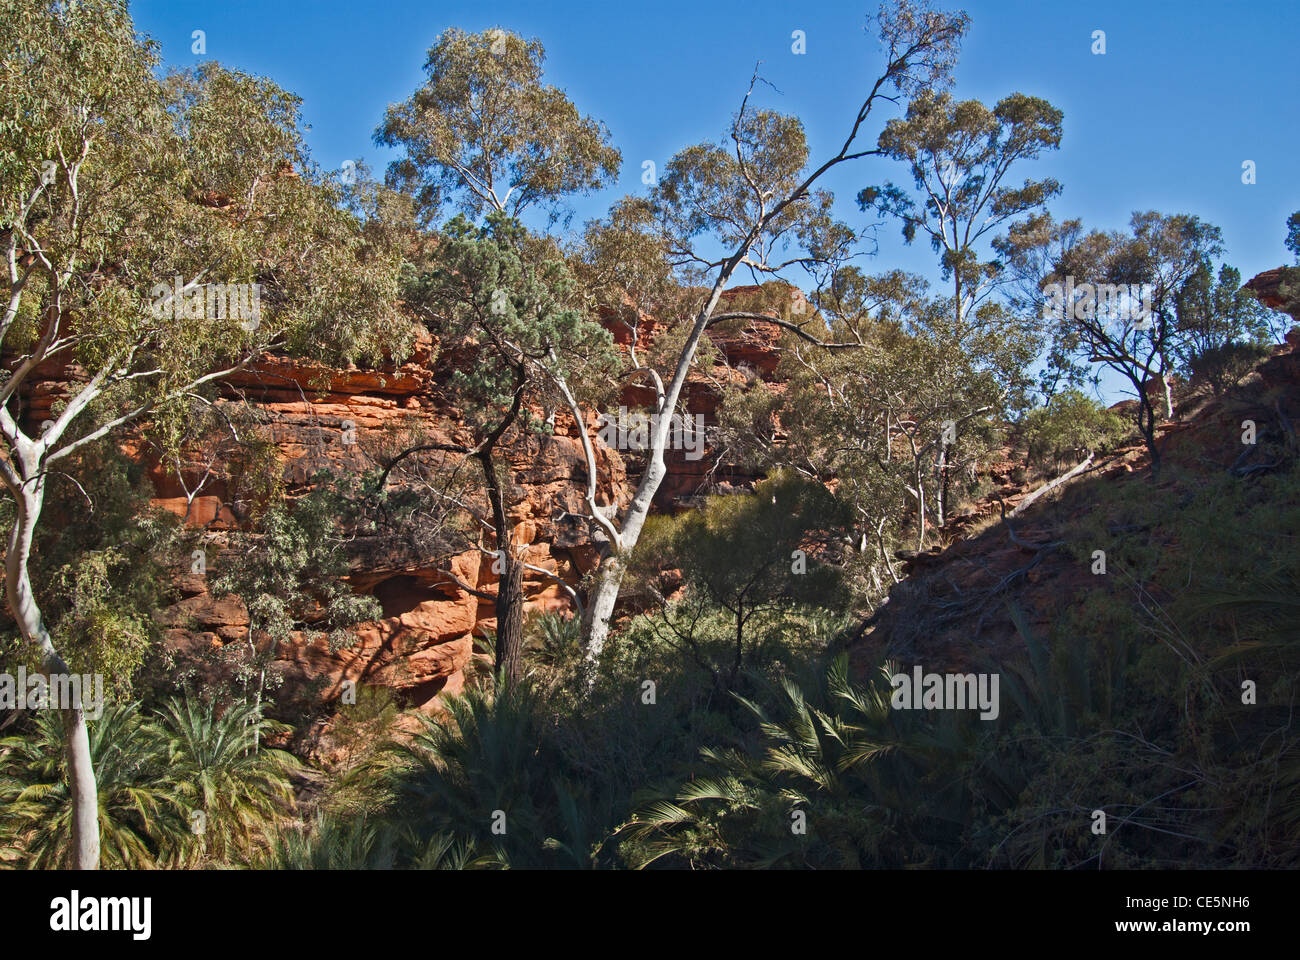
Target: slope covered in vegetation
{"points": [[393, 524]]}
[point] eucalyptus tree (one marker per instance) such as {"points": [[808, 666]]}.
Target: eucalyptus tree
{"points": [[959, 154], [719, 208], [141, 822], [122, 199], [941, 387], [1029, 251], [867, 421], [485, 133], [750, 204], [1117, 293], [835, 421]]}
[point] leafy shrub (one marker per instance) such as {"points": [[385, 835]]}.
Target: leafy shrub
{"points": [[1069, 427], [1225, 366]]}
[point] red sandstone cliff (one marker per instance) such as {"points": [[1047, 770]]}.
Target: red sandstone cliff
{"points": [[317, 418]]}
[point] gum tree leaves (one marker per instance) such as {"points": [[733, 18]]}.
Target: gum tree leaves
{"points": [[484, 132]]}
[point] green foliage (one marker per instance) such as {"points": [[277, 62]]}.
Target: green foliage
{"points": [[512, 304], [748, 555], [835, 779], [871, 420], [1162, 251], [556, 642], [515, 303], [102, 572], [958, 154], [1223, 330], [1127, 701], [568, 767], [720, 721], [141, 824], [490, 775], [485, 131], [1193, 603], [291, 576], [330, 843], [1289, 282], [1068, 428], [1225, 366], [232, 792], [210, 165], [187, 787]]}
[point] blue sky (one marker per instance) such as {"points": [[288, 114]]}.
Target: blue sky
{"points": [[1186, 91]]}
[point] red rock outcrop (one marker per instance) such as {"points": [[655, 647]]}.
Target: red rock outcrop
{"points": [[316, 417], [1267, 288]]}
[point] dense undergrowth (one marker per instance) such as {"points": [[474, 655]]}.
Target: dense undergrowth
{"points": [[1131, 705]]}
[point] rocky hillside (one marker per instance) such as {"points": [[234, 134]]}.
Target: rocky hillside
{"points": [[958, 606]]}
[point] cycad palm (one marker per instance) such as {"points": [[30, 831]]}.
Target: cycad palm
{"points": [[751, 808], [233, 790], [483, 758], [834, 759], [557, 640], [330, 843], [138, 817]]}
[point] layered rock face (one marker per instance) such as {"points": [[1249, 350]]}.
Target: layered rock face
{"points": [[1267, 286], [317, 418], [334, 420]]}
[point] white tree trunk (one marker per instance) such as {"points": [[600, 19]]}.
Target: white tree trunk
{"points": [[609, 575], [76, 743], [921, 42], [600, 607], [919, 493]]}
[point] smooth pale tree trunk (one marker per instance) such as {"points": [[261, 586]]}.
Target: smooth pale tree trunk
{"points": [[612, 569], [924, 41], [610, 573], [941, 488], [919, 479], [261, 687], [76, 738], [1048, 487]]}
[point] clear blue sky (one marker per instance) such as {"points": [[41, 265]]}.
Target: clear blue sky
{"points": [[1186, 91]]}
